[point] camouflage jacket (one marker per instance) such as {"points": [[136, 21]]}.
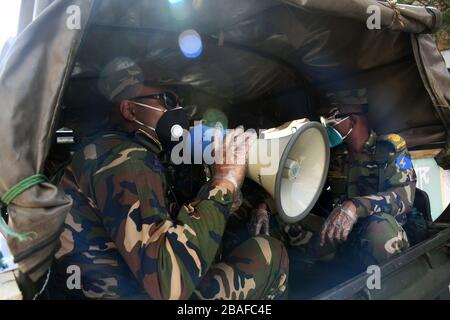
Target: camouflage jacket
{"points": [[119, 232], [389, 189]]}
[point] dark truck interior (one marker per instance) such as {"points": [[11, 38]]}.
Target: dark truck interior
{"points": [[263, 63], [256, 70]]}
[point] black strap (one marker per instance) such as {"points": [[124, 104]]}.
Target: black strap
{"points": [[381, 158], [433, 19]]}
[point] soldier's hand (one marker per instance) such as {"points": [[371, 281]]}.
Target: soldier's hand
{"points": [[230, 156], [339, 224], [259, 223]]}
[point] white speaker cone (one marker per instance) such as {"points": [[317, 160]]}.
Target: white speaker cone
{"points": [[304, 164]]}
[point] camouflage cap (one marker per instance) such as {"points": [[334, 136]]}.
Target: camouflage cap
{"points": [[121, 79], [346, 103], [339, 114], [353, 97]]}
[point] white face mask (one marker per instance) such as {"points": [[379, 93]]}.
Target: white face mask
{"points": [[148, 107], [348, 133], [170, 126], [152, 108], [346, 136]]}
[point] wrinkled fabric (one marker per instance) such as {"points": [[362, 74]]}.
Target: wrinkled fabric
{"points": [[373, 241], [119, 230], [33, 72], [257, 268], [276, 46]]}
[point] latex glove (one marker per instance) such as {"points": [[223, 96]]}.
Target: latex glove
{"points": [[339, 224], [259, 223], [238, 200], [230, 156]]}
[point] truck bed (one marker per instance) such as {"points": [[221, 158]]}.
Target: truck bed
{"points": [[420, 273]]}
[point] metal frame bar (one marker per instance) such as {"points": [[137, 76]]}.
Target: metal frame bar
{"points": [[358, 283]]}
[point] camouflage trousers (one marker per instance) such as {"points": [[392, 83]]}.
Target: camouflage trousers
{"points": [[372, 241], [256, 269]]}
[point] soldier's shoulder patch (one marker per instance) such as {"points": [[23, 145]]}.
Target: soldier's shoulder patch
{"points": [[404, 162], [395, 140]]}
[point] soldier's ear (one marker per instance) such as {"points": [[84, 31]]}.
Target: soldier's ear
{"points": [[127, 110]]}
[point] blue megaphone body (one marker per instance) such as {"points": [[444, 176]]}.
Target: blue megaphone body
{"points": [[201, 137]]}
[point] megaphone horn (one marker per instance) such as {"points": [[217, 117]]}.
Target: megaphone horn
{"points": [[291, 163]]}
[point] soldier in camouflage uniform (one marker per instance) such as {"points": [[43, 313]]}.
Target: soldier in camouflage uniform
{"points": [[124, 238], [372, 185]]}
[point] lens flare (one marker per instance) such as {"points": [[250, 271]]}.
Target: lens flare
{"points": [[190, 44], [214, 118], [180, 9]]}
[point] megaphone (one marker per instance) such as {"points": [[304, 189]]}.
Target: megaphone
{"points": [[290, 162]]}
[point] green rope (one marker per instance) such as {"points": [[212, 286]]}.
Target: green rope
{"points": [[10, 195], [19, 236]]}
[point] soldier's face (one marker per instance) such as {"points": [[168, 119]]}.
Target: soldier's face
{"points": [[345, 126], [355, 127], [147, 115]]}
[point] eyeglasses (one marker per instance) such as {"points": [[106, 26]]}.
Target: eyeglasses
{"points": [[348, 114], [336, 119], [170, 99]]}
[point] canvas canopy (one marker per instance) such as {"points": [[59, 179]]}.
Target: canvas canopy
{"points": [[262, 59]]}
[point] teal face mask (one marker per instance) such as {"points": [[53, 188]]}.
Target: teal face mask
{"points": [[334, 137]]}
